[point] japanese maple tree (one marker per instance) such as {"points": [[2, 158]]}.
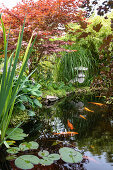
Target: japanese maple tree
{"points": [[47, 18]]}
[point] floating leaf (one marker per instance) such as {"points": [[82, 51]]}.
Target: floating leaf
{"points": [[46, 161], [30, 145], [54, 156], [70, 155], [13, 150], [26, 161], [34, 145], [43, 153]]}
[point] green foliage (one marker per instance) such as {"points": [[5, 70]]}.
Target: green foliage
{"points": [[15, 134], [7, 92], [67, 154], [57, 89], [26, 161], [70, 155], [65, 67], [28, 97]]}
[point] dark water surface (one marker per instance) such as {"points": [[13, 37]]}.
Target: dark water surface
{"points": [[95, 133]]}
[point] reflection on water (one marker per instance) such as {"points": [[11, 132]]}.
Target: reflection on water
{"points": [[95, 134]]}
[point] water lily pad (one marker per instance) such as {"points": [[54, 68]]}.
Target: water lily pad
{"points": [[46, 161], [54, 156], [24, 146], [13, 150], [30, 145], [34, 145], [43, 153], [69, 155], [26, 161]]}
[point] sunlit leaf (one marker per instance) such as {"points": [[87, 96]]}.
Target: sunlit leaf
{"points": [[13, 150], [69, 155], [43, 153], [26, 161]]}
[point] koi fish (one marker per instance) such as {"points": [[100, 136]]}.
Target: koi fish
{"points": [[70, 125], [83, 117], [92, 159], [85, 108], [99, 104], [66, 133]]}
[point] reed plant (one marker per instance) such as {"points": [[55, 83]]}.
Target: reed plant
{"points": [[9, 91], [65, 67]]}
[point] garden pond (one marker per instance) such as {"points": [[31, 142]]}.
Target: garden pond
{"points": [[76, 123]]}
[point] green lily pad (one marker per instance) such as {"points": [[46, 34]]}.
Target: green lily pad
{"points": [[43, 153], [54, 156], [13, 150], [26, 161], [30, 145], [69, 155], [34, 145], [46, 161], [24, 146]]}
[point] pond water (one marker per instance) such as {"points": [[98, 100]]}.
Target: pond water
{"points": [[94, 139]]}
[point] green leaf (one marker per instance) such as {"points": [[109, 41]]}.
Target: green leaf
{"points": [[17, 134], [31, 113], [30, 145], [22, 107], [34, 145], [54, 157], [37, 103], [46, 161], [11, 157], [26, 161], [13, 150], [69, 155], [17, 130], [43, 153], [24, 98]]}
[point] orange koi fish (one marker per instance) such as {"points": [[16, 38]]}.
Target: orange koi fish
{"points": [[83, 117], [99, 104], [85, 108], [92, 159], [70, 125], [66, 133]]}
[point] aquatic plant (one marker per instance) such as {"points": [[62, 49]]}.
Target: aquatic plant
{"points": [[7, 92], [67, 154]]}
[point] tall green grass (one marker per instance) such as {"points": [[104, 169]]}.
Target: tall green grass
{"points": [[8, 92], [65, 66]]}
